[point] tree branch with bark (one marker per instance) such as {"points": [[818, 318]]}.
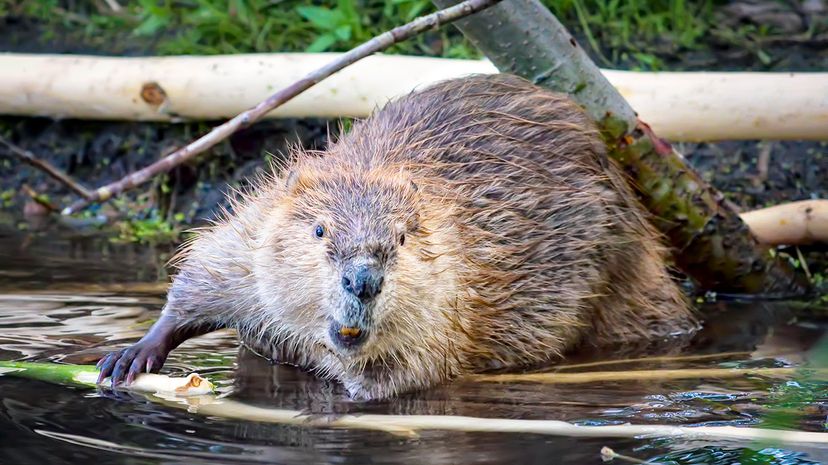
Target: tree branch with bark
{"points": [[711, 242]]}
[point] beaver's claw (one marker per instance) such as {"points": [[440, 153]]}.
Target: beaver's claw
{"points": [[124, 365]]}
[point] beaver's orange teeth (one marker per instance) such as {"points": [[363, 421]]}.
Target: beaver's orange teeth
{"points": [[349, 332]]}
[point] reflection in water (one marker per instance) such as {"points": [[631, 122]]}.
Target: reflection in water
{"points": [[72, 300]]}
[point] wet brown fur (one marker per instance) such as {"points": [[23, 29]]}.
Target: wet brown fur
{"points": [[522, 241]]}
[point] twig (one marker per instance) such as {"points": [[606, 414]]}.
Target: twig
{"points": [[71, 16], [39, 199], [640, 375], [43, 165], [114, 5], [674, 358], [762, 164], [244, 119], [803, 263]]}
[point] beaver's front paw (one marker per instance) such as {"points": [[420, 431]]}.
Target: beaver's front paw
{"points": [[126, 364]]}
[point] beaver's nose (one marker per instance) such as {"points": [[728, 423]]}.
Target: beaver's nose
{"points": [[363, 281]]}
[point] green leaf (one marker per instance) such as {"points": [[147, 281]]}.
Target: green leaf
{"points": [[321, 43], [415, 10], [151, 25], [343, 32], [320, 17]]}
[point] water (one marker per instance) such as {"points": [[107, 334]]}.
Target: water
{"points": [[71, 299]]}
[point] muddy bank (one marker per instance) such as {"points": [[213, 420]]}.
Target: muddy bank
{"points": [[96, 153]]}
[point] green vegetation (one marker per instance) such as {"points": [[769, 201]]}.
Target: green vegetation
{"points": [[7, 197], [616, 30], [153, 229], [632, 27]]}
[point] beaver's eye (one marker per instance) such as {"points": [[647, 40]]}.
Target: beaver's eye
{"points": [[402, 239], [319, 231]]}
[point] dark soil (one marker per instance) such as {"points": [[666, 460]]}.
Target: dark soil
{"points": [[97, 153]]}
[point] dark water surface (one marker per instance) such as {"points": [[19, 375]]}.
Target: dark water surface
{"points": [[71, 299]]}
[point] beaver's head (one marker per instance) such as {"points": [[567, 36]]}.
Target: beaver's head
{"points": [[354, 261]]}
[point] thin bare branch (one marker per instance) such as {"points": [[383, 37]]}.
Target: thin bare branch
{"points": [[43, 165], [114, 5], [642, 375], [246, 118], [39, 199]]}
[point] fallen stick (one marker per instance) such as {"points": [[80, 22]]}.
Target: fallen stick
{"points": [[210, 87], [399, 425], [679, 106], [55, 173], [640, 375], [670, 358], [795, 223], [409, 425], [246, 118]]}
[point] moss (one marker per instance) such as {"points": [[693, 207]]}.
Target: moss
{"points": [[7, 197], [152, 230]]}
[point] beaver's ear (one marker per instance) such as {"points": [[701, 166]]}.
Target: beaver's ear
{"points": [[298, 180], [291, 180]]}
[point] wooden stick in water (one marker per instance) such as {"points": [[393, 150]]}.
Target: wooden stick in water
{"points": [[676, 358], [641, 375], [409, 425], [170, 391]]}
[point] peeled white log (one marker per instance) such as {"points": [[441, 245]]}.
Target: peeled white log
{"points": [[678, 106], [795, 223], [208, 87], [193, 394], [410, 425], [710, 106]]}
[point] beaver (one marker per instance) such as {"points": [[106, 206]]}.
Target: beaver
{"points": [[476, 224]]}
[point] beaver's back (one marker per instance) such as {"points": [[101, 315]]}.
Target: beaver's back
{"points": [[553, 239]]}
